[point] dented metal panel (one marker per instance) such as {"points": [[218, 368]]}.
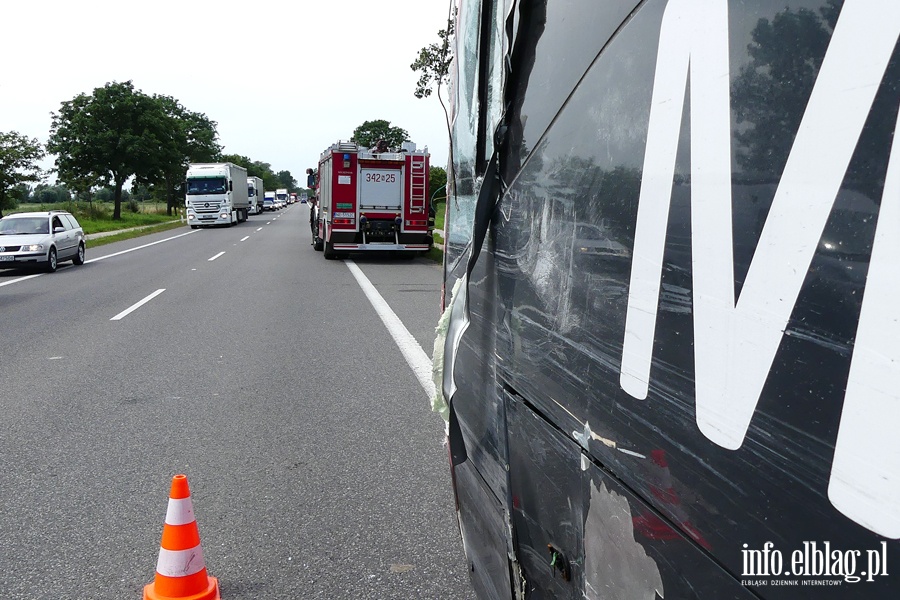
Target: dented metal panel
{"points": [[674, 372]]}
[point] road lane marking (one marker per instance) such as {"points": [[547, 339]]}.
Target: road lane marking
{"points": [[215, 257], [134, 307], [18, 279], [409, 347], [139, 247], [259, 229], [27, 277], [245, 238]]}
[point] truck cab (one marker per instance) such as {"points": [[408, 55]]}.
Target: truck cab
{"points": [[216, 194]]}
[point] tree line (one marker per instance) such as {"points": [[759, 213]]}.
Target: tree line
{"points": [[112, 136], [118, 134]]}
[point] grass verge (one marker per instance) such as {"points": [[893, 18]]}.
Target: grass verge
{"points": [[97, 217], [127, 235]]}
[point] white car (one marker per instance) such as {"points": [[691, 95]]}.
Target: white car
{"points": [[40, 239]]}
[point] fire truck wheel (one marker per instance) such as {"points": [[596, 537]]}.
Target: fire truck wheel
{"points": [[317, 244]]}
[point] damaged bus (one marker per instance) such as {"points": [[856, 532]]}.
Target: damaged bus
{"points": [[672, 268]]}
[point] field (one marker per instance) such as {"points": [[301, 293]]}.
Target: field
{"points": [[96, 217]]}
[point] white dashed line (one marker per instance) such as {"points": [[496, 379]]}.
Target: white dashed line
{"points": [[134, 307], [216, 256], [138, 248]]}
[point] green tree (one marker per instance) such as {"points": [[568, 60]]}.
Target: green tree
{"points": [[18, 164], [287, 181], [104, 194], [437, 183], [194, 140], [113, 134], [20, 193], [433, 63], [51, 194], [370, 132], [83, 184], [256, 168]]}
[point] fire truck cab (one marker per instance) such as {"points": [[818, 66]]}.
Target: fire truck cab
{"points": [[372, 200]]}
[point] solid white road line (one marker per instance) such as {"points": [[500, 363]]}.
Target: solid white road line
{"points": [[18, 279], [409, 347], [27, 277], [133, 308], [216, 256], [245, 238], [139, 247]]}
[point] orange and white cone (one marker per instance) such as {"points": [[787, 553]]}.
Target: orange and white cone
{"points": [[180, 570]]}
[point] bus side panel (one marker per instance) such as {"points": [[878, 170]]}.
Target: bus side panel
{"points": [[581, 534], [565, 254]]}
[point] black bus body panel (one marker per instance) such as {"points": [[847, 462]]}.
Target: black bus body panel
{"points": [[592, 491]]}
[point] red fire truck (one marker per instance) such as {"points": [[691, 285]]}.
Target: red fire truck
{"points": [[372, 200]]}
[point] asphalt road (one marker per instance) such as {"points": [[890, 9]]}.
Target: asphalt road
{"points": [[264, 374]]}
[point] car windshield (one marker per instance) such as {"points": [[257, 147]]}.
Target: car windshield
{"points": [[24, 225], [205, 185]]}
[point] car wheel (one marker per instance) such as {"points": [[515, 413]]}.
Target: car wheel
{"points": [[79, 256], [51, 261]]}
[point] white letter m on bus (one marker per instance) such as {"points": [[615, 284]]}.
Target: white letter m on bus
{"points": [[735, 340]]}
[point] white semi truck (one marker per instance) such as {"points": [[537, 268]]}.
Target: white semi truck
{"points": [[216, 194], [255, 192]]}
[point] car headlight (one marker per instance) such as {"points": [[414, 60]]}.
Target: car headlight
{"points": [[32, 248]]}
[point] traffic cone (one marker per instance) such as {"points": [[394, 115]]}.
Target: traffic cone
{"points": [[180, 570]]}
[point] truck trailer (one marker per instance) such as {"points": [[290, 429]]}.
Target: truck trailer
{"points": [[255, 192], [372, 200], [216, 194]]}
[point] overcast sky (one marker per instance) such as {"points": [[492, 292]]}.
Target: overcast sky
{"points": [[283, 79]]}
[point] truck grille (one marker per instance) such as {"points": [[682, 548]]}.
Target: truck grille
{"points": [[206, 207]]}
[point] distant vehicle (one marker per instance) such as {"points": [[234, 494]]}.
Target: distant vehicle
{"points": [[304, 196], [373, 200], [216, 194], [293, 197], [255, 194], [269, 202], [282, 196], [40, 239]]}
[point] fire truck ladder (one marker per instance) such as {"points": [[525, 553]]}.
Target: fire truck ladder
{"points": [[418, 191]]}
